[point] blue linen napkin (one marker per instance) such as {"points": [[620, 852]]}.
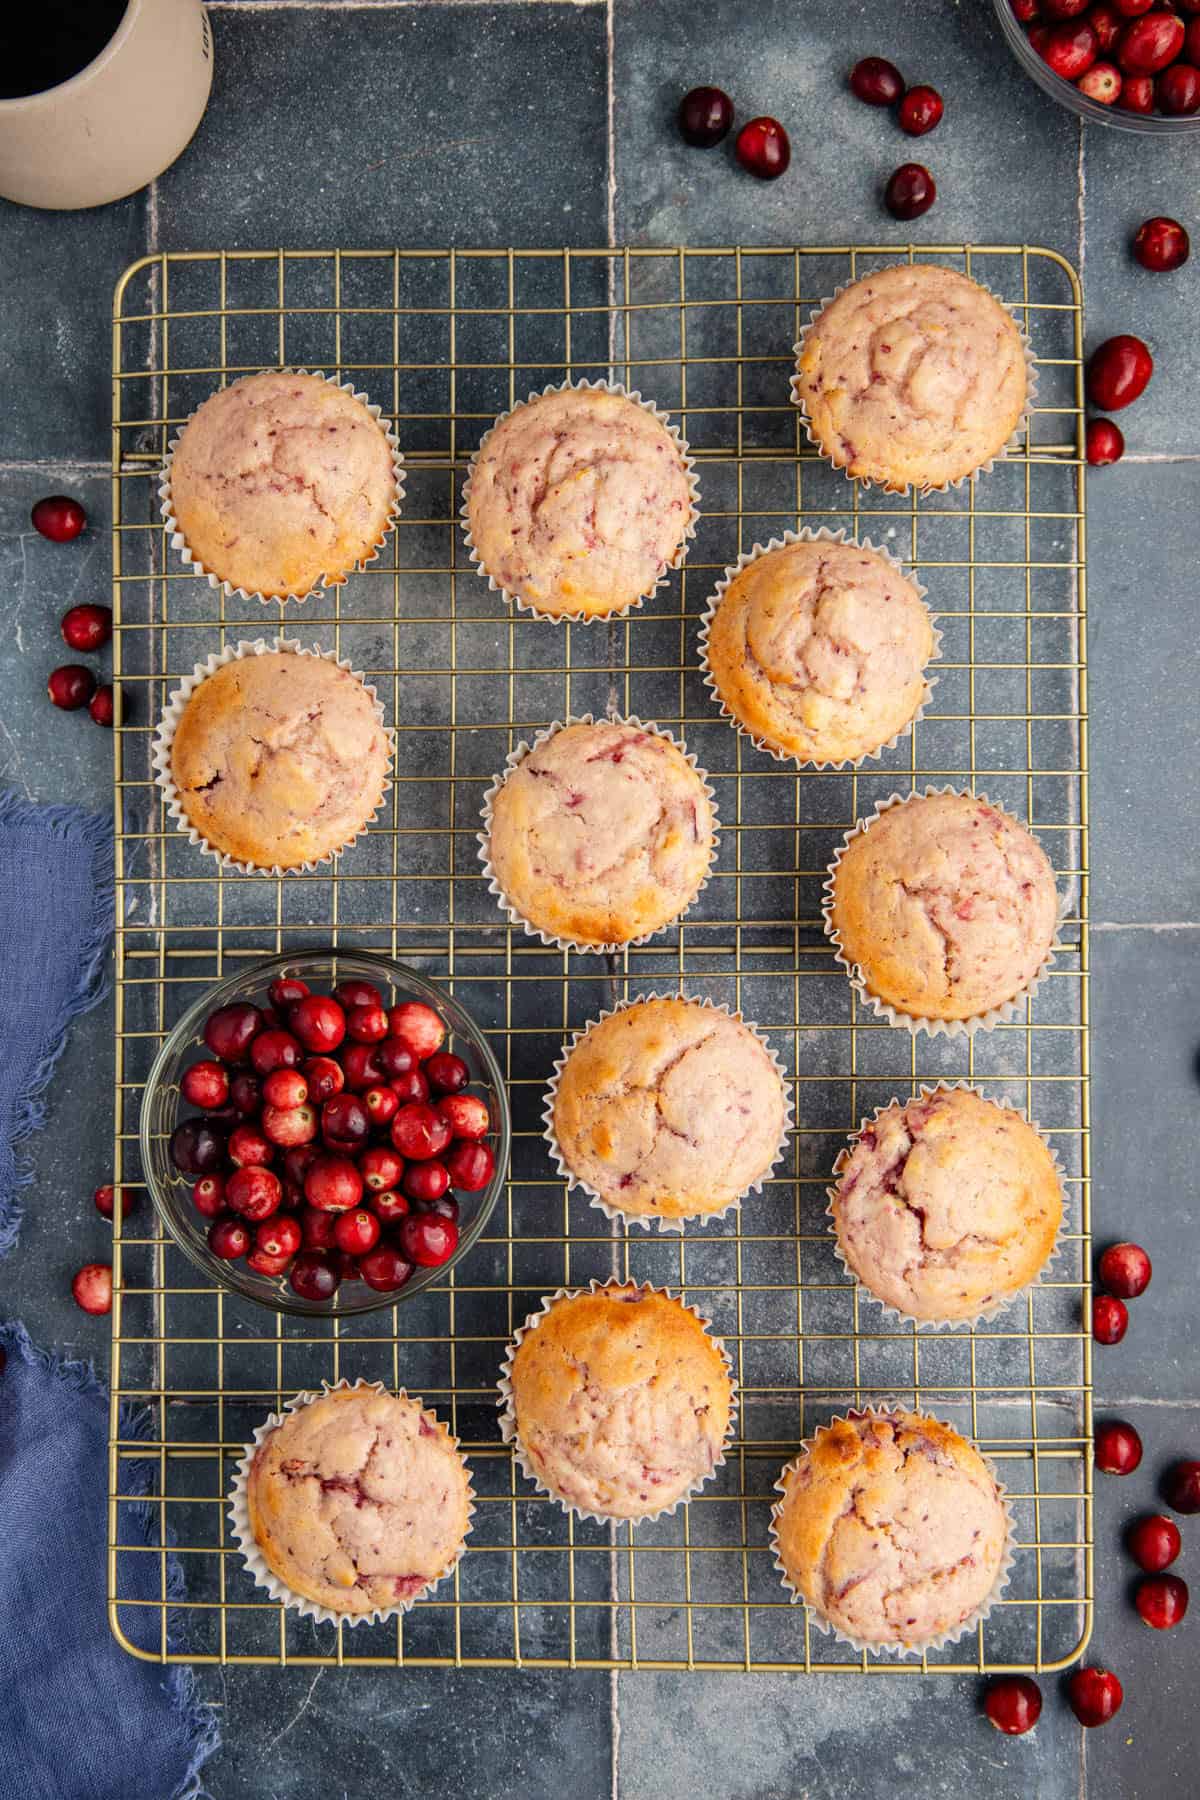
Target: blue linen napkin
{"points": [[80, 1719]]}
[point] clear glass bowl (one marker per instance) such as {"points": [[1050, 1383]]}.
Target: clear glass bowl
{"points": [[1068, 95], [161, 1111]]}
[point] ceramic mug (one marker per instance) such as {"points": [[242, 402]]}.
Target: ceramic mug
{"points": [[120, 121]]}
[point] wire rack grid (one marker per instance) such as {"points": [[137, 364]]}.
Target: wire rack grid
{"points": [[443, 340]]}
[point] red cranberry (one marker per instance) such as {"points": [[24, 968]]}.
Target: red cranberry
{"points": [[1102, 83], [704, 117], [298, 1159], [285, 990], [367, 1024], [380, 1167], [1129, 9], [1014, 1704], [325, 1078], [71, 686], [318, 1022], [59, 519], [1118, 1448], [1063, 9], [105, 1199], [446, 1207], [228, 1238], [205, 1084], [1187, 6], [273, 1050], [382, 1105], [353, 992], [1105, 442], [1137, 94], [289, 1126], [1095, 1695], [1110, 1319], [1105, 21], [447, 1074], [1177, 89], [361, 1067], [384, 1268], [471, 1167], [92, 1288], [264, 1264], [88, 627], [466, 1115], [427, 1239], [1124, 1269], [763, 149], [424, 1181], [195, 1148], [245, 1093], [876, 81], [1161, 1600], [1070, 50], [316, 1228], [280, 1236], [285, 1088], [1149, 44], [388, 1206], [230, 1031], [333, 1184], [412, 1086], [345, 1122], [356, 1232], [910, 191], [253, 1193], [1154, 1542], [920, 110], [1119, 370], [101, 705], [1181, 1487], [314, 1275], [1191, 45], [1024, 10], [395, 1057], [418, 1026], [249, 1149], [208, 1196], [418, 1132]]}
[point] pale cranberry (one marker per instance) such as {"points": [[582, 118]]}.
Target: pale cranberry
{"points": [[264, 1264], [1161, 1600], [361, 1067], [285, 990], [384, 1268], [419, 1132], [1105, 442], [280, 1236], [1124, 1269], [1118, 1448], [316, 1228], [325, 1078], [1013, 1703], [105, 1200], [389, 1205], [345, 1122], [1137, 94], [395, 1057], [910, 191], [1118, 372], [248, 1148], [1070, 49], [196, 1148], [314, 1275], [382, 1105], [253, 1193], [425, 1181], [380, 1167], [87, 627], [367, 1024], [763, 149], [289, 1126], [228, 1239], [91, 1288], [1110, 1319], [427, 1239], [418, 1026], [876, 81], [1095, 1695], [1177, 89], [447, 1074], [285, 1088], [466, 1115], [356, 992], [1150, 43], [471, 1166], [356, 1232], [208, 1196], [704, 117], [205, 1084], [1154, 1542], [71, 686], [412, 1086], [920, 111], [333, 1184], [1102, 83], [1181, 1487], [1105, 21], [318, 1022], [230, 1031], [273, 1050]]}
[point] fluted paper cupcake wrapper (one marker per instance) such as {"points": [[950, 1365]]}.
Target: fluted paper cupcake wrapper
{"points": [[483, 838], [648, 1221], [191, 561], [689, 531], [1011, 444], [242, 1532], [508, 1419], [888, 1409], [807, 536], [164, 736], [996, 1306], [912, 1022]]}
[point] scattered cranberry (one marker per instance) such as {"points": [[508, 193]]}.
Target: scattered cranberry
{"points": [[71, 686], [245, 1093], [1014, 1704], [92, 1285], [101, 706], [427, 1239], [388, 1206], [1161, 244], [318, 1022], [1177, 89], [60, 520], [412, 1086], [313, 1276], [285, 1088], [384, 1268], [285, 990], [1095, 1695], [1181, 1487], [1105, 21], [1149, 44], [88, 627], [280, 1236], [395, 1057], [105, 1199], [249, 1148], [230, 1031], [361, 1067], [425, 1181], [705, 115], [466, 1115], [195, 1148], [289, 1126], [1105, 442], [419, 1132], [380, 1167], [1070, 50], [1137, 94], [1161, 1600], [920, 110], [355, 992], [447, 1074], [316, 1228], [206, 1085], [367, 1024], [253, 1193], [1124, 1269], [1154, 1542], [877, 81], [1119, 370], [345, 1122], [1102, 83], [208, 1196], [910, 191], [763, 149], [382, 1104], [1118, 1448], [325, 1078], [228, 1239], [418, 1026], [1110, 1319], [471, 1167], [356, 1232], [333, 1184], [273, 1050]]}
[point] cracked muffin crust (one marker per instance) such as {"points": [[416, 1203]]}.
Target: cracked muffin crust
{"points": [[619, 1399], [669, 1110], [279, 759], [818, 649], [579, 502], [946, 1205], [358, 1500], [912, 376], [602, 833], [946, 905], [891, 1527], [281, 481]]}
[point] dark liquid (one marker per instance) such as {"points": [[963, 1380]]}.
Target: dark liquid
{"points": [[43, 46]]}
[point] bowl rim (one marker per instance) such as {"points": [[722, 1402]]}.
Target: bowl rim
{"points": [[1068, 95], [187, 1026]]}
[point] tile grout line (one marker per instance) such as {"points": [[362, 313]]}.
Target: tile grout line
{"points": [[1134, 925]]}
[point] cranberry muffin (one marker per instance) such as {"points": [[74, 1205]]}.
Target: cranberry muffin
{"points": [[914, 376], [892, 1528], [946, 1205], [818, 649], [946, 907], [578, 502], [359, 1500], [600, 834], [618, 1399], [668, 1110], [282, 482], [277, 759]]}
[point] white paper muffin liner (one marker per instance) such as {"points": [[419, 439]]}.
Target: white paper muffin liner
{"points": [[483, 838], [911, 1022], [1011, 444], [508, 1419], [164, 736], [192, 562], [650, 1221], [807, 536], [242, 1532], [689, 532], [887, 1409], [995, 1306]]}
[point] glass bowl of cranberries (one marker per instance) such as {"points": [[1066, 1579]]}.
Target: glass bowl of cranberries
{"points": [[325, 1133], [1128, 63]]}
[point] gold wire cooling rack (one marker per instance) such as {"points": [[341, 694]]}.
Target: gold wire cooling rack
{"points": [[445, 339]]}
